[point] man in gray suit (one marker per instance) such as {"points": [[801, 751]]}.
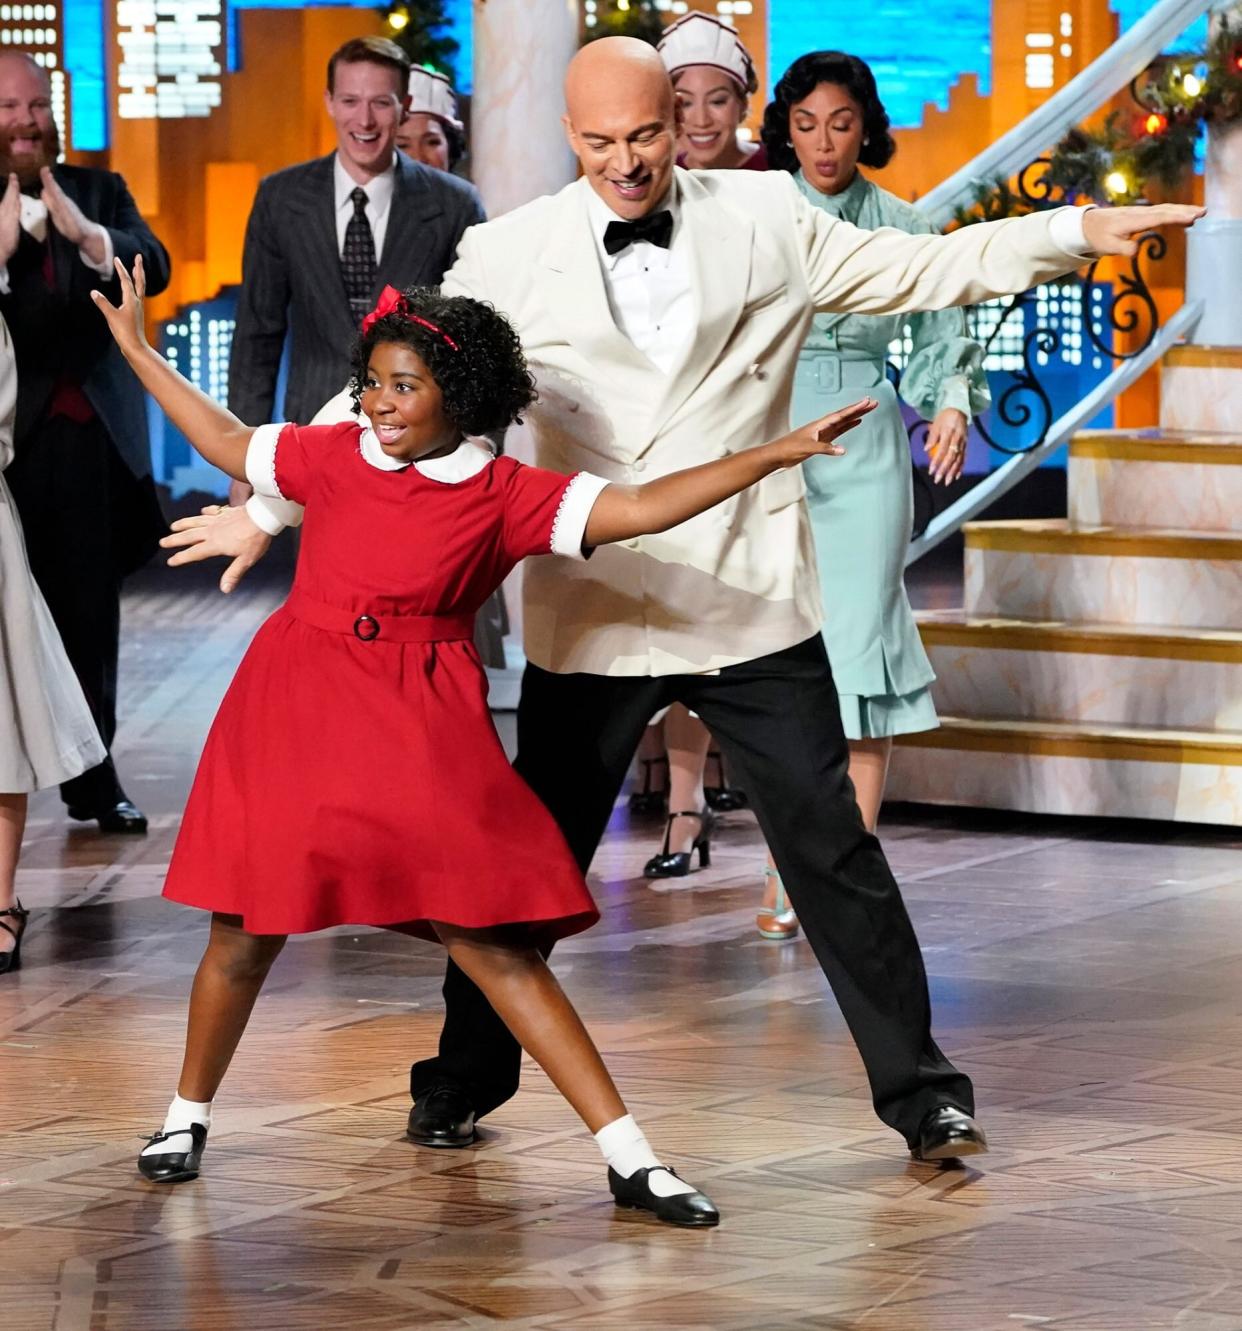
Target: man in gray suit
{"points": [[325, 236]]}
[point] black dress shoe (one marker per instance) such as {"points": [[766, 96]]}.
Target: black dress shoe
{"points": [[947, 1133], [690, 1210], [443, 1117], [122, 817], [174, 1166]]}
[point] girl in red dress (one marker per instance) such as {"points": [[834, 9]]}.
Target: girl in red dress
{"points": [[353, 774]]}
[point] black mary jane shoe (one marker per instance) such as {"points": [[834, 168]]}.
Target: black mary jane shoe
{"points": [[947, 1134], [648, 800], [174, 1166], [690, 1210], [12, 959], [123, 817], [443, 1117], [719, 797], [676, 864]]}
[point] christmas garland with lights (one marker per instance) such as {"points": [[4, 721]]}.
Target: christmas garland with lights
{"points": [[1155, 144]]}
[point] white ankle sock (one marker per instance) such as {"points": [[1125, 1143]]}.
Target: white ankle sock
{"points": [[626, 1150], [181, 1113]]}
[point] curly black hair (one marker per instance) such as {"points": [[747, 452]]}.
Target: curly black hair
{"points": [[476, 359], [800, 80]]}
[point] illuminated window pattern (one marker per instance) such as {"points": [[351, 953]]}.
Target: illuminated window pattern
{"points": [[197, 343], [171, 58]]}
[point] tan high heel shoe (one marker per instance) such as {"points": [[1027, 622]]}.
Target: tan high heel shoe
{"points": [[778, 921]]}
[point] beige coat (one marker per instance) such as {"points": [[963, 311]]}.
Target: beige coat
{"points": [[739, 581]]}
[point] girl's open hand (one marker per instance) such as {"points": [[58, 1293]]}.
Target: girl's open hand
{"points": [[125, 320], [818, 438]]}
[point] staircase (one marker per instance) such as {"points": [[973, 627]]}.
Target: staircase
{"points": [[1094, 668]]}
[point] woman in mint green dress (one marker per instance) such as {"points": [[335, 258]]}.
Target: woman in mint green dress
{"points": [[825, 120]]}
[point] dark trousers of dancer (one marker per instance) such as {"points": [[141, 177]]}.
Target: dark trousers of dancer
{"points": [[87, 521], [778, 722]]}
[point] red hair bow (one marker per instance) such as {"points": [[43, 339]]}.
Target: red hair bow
{"points": [[391, 301]]}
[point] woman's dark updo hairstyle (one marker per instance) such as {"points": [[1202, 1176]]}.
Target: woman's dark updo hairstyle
{"points": [[800, 80], [485, 383]]}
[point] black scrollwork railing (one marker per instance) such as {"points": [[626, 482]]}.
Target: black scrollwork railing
{"points": [[1131, 310]]}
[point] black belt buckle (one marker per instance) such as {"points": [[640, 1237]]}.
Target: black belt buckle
{"points": [[364, 633]]}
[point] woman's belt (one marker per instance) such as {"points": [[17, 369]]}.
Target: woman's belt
{"points": [[830, 372], [387, 628]]}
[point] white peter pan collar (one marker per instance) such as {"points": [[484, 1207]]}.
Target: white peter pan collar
{"points": [[467, 459]]}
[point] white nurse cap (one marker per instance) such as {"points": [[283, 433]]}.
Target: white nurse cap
{"points": [[431, 94], [699, 39]]}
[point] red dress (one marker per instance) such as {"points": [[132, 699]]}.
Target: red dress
{"points": [[353, 774]]}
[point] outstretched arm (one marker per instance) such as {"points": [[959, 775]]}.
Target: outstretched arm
{"points": [[624, 511], [217, 434]]}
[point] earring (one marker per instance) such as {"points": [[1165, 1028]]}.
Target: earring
{"points": [[866, 141]]}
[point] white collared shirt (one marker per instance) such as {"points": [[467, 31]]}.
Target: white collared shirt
{"points": [[379, 191], [650, 290]]}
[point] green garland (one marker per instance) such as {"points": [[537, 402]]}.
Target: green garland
{"points": [[1155, 144]]}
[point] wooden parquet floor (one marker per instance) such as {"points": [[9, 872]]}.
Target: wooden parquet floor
{"points": [[1088, 975]]}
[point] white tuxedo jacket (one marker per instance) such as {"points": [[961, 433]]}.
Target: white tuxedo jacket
{"points": [[739, 581]]}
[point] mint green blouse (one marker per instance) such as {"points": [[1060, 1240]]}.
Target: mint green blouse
{"points": [[945, 368]]}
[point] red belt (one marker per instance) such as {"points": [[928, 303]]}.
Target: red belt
{"points": [[388, 628]]}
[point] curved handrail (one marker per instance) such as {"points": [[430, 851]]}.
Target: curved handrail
{"points": [[1124, 60]]}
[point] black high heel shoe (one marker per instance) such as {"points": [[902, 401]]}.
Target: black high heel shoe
{"points": [[676, 864], [647, 800], [12, 960], [721, 798]]}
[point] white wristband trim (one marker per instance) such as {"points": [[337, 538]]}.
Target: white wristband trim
{"points": [[261, 461], [569, 525]]}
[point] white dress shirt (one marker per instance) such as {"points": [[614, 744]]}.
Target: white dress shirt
{"points": [[650, 290], [379, 200]]}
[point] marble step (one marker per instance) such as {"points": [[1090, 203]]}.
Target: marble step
{"points": [[1097, 674], [1201, 388], [1042, 568], [1064, 768], [1156, 479]]}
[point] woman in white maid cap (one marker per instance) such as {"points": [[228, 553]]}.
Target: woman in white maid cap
{"points": [[431, 131], [714, 76]]}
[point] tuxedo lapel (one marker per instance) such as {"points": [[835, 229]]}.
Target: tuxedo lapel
{"points": [[574, 284], [411, 234], [313, 207], [718, 246]]}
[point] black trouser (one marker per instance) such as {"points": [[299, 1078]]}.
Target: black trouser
{"points": [[778, 722], [86, 521]]}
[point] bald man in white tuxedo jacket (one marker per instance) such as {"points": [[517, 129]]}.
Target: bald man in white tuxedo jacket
{"points": [[662, 312]]}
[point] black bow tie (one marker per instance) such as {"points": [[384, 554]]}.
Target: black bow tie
{"points": [[657, 228]]}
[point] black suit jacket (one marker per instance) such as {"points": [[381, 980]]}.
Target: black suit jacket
{"points": [[58, 331], [291, 278]]}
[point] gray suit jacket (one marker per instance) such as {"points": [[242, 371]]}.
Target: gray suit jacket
{"points": [[291, 278]]}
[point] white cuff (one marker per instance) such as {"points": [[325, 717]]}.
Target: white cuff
{"points": [[569, 526], [261, 460], [104, 267], [273, 515], [1066, 232]]}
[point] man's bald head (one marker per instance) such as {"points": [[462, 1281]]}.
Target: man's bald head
{"points": [[28, 135], [621, 121]]}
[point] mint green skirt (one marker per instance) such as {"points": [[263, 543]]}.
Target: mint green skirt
{"points": [[862, 507]]}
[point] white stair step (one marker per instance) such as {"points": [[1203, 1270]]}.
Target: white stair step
{"points": [[1046, 767], [1201, 388], [1045, 569], [1098, 674], [1156, 479]]}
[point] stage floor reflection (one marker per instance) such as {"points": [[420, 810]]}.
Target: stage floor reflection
{"points": [[1088, 975]]}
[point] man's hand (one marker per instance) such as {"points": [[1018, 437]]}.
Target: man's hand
{"points": [[219, 531], [10, 219], [70, 221], [1117, 230]]}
